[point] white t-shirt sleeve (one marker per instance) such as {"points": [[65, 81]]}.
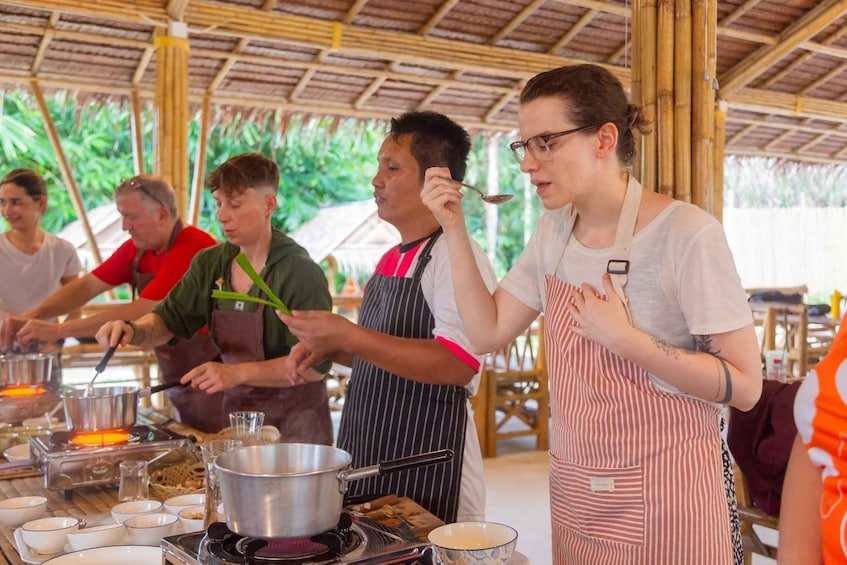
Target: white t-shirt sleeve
{"points": [[73, 266]]}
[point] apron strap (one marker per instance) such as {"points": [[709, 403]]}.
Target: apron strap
{"points": [[135, 281], [425, 255], [618, 266]]}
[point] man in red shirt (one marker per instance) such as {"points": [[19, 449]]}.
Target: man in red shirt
{"points": [[152, 261]]}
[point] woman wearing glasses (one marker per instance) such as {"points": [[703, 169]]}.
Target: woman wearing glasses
{"points": [[648, 331], [35, 263]]}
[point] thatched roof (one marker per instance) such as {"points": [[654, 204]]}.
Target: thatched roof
{"points": [[780, 65]]}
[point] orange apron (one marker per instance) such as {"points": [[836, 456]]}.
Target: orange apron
{"points": [[636, 474]]}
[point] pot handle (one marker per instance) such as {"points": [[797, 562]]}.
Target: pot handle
{"points": [[145, 392], [393, 465]]}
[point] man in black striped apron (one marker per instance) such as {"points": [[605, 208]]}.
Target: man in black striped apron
{"points": [[412, 365]]}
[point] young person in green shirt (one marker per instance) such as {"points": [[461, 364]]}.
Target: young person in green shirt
{"points": [[254, 343]]}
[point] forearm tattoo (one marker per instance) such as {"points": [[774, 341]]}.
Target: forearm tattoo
{"points": [[666, 348], [704, 343], [139, 336]]}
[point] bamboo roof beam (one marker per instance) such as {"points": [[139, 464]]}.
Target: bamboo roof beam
{"points": [[238, 21], [65, 169], [789, 156], [805, 127], [744, 131], [176, 9], [823, 79], [573, 31], [738, 12], [437, 17], [802, 59], [779, 138], [801, 30], [812, 142], [352, 12], [230, 61], [516, 21], [301, 84], [497, 106], [431, 95], [754, 37], [784, 104], [605, 7], [143, 63], [368, 92], [44, 43]]}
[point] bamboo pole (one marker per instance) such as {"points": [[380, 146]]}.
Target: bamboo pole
{"points": [[700, 83], [636, 92], [665, 96], [65, 169], [172, 111], [709, 109], [682, 101], [137, 129], [720, 147], [647, 60], [200, 162]]}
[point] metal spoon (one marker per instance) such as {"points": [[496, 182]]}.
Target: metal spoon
{"points": [[488, 198], [101, 366]]}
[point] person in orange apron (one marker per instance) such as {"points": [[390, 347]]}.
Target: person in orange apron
{"points": [[813, 518], [412, 368], [647, 332], [253, 343]]}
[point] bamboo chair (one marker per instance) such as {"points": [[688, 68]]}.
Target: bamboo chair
{"points": [[749, 516], [514, 382]]}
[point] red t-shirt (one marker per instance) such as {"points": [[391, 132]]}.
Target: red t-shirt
{"points": [[169, 267]]}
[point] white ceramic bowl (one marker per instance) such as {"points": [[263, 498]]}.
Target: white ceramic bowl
{"points": [[149, 529], [474, 543], [97, 536], [121, 554], [48, 535], [191, 518], [177, 503], [18, 452], [126, 510], [16, 511]]}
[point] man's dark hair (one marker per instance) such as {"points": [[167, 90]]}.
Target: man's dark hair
{"points": [[437, 141], [247, 170]]}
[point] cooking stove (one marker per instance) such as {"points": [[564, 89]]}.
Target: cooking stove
{"points": [[356, 540], [16, 409], [67, 465]]}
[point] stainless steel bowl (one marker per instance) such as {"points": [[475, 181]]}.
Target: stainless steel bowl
{"points": [[25, 369]]}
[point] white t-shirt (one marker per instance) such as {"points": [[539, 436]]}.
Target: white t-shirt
{"points": [[437, 288], [682, 279], [26, 280]]}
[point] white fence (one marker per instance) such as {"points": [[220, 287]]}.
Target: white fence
{"points": [[790, 247]]}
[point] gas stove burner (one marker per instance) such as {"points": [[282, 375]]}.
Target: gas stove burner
{"points": [[225, 546], [69, 440]]}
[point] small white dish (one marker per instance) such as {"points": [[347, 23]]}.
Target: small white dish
{"points": [[191, 518], [112, 555], [97, 536], [149, 529], [20, 509], [177, 503], [18, 452], [126, 510], [48, 535]]}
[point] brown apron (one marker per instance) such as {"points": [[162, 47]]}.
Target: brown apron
{"points": [[192, 406], [301, 413]]}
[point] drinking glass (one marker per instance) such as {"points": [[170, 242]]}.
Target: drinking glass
{"points": [[247, 426], [211, 450], [134, 484]]}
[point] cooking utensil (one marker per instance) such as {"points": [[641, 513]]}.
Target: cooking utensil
{"points": [[101, 366], [25, 369], [289, 490], [108, 408], [495, 199]]}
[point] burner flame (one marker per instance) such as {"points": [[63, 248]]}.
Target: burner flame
{"points": [[19, 391], [111, 437]]}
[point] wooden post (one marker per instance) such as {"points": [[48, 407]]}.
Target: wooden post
{"points": [[682, 101], [137, 129], [172, 110], [647, 59], [720, 146], [64, 167], [200, 162], [665, 96]]}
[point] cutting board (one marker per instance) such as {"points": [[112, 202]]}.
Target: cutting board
{"points": [[392, 510]]}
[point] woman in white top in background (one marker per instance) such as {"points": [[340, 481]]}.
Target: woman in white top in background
{"points": [[647, 331], [34, 263]]}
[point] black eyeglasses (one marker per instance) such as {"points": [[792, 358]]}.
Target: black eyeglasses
{"points": [[538, 144], [134, 184]]}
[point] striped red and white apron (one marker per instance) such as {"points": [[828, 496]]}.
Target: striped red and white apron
{"points": [[386, 416], [635, 474]]}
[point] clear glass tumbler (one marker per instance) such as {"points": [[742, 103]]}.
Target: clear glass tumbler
{"points": [[134, 482], [211, 450], [247, 426]]}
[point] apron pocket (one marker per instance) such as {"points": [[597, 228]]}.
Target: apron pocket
{"points": [[602, 503]]}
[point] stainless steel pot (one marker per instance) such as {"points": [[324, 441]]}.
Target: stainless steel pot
{"points": [[105, 408], [290, 490], [25, 369]]}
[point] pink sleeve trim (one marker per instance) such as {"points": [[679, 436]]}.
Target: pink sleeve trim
{"points": [[457, 350]]}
